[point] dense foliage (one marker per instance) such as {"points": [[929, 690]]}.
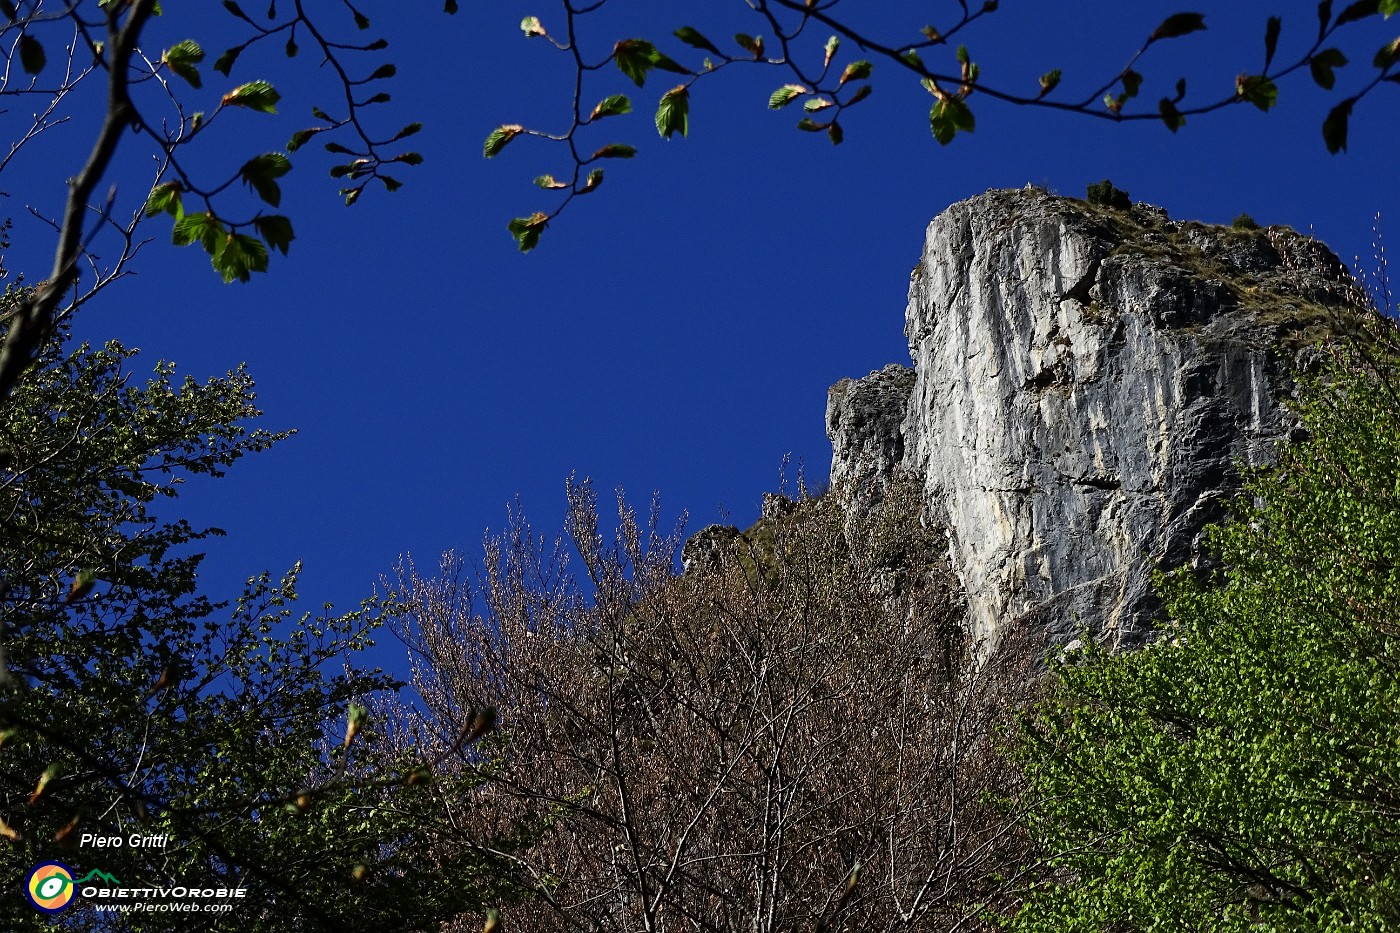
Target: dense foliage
{"points": [[134, 704], [1243, 772]]}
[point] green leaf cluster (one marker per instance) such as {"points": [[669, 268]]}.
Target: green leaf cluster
{"points": [[134, 703], [1243, 772], [948, 116], [234, 255], [636, 57]]}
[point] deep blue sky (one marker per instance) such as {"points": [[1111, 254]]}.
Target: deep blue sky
{"points": [[678, 329]]}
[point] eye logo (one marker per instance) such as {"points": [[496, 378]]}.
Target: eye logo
{"points": [[50, 886]]}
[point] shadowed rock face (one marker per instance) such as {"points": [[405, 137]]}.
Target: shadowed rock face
{"points": [[1085, 384], [863, 421]]}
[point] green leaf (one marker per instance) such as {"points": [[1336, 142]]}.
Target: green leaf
{"points": [[817, 103], [31, 54], [339, 148], [390, 183], [407, 131], [635, 57], [673, 113], [1389, 7], [355, 168], [595, 178], [1359, 10], [260, 173], [255, 95], [165, 198], [751, 44], [1178, 24], [1049, 81], [856, 71], [182, 58], [408, 158], [1322, 64], [527, 230], [236, 10], [947, 117], [499, 137], [197, 228], [861, 94], [239, 256], [667, 64], [808, 125], [614, 151], [785, 95], [1388, 54], [832, 45], [1258, 90], [1271, 31], [224, 63], [695, 40], [1131, 82], [550, 182], [1170, 115], [612, 106], [912, 57], [276, 230], [1334, 128], [300, 137], [835, 133], [530, 25]]}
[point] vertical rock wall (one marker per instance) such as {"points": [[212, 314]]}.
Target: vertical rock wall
{"points": [[1085, 382]]}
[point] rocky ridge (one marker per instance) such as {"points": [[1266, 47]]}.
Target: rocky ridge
{"points": [[1086, 383]]}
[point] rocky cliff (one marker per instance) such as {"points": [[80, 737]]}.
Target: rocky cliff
{"points": [[1086, 383]]}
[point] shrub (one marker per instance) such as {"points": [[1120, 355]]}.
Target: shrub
{"points": [[793, 737], [1105, 195]]}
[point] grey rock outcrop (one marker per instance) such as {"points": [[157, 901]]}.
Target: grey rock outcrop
{"points": [[705, 549], [864, 419], [1085, 383]]}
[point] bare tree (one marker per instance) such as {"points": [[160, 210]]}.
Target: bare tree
{"points": [[793, 739]]}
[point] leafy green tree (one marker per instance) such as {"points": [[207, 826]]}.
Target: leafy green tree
{"points": [[1243, 772], [134, 704], [807, 43]]}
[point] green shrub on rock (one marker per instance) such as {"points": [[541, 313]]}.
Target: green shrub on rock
{"points": [[1105, 195]]}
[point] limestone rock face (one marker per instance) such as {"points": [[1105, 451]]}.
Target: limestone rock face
{"points": [[864, 421], [1085, 382]]}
